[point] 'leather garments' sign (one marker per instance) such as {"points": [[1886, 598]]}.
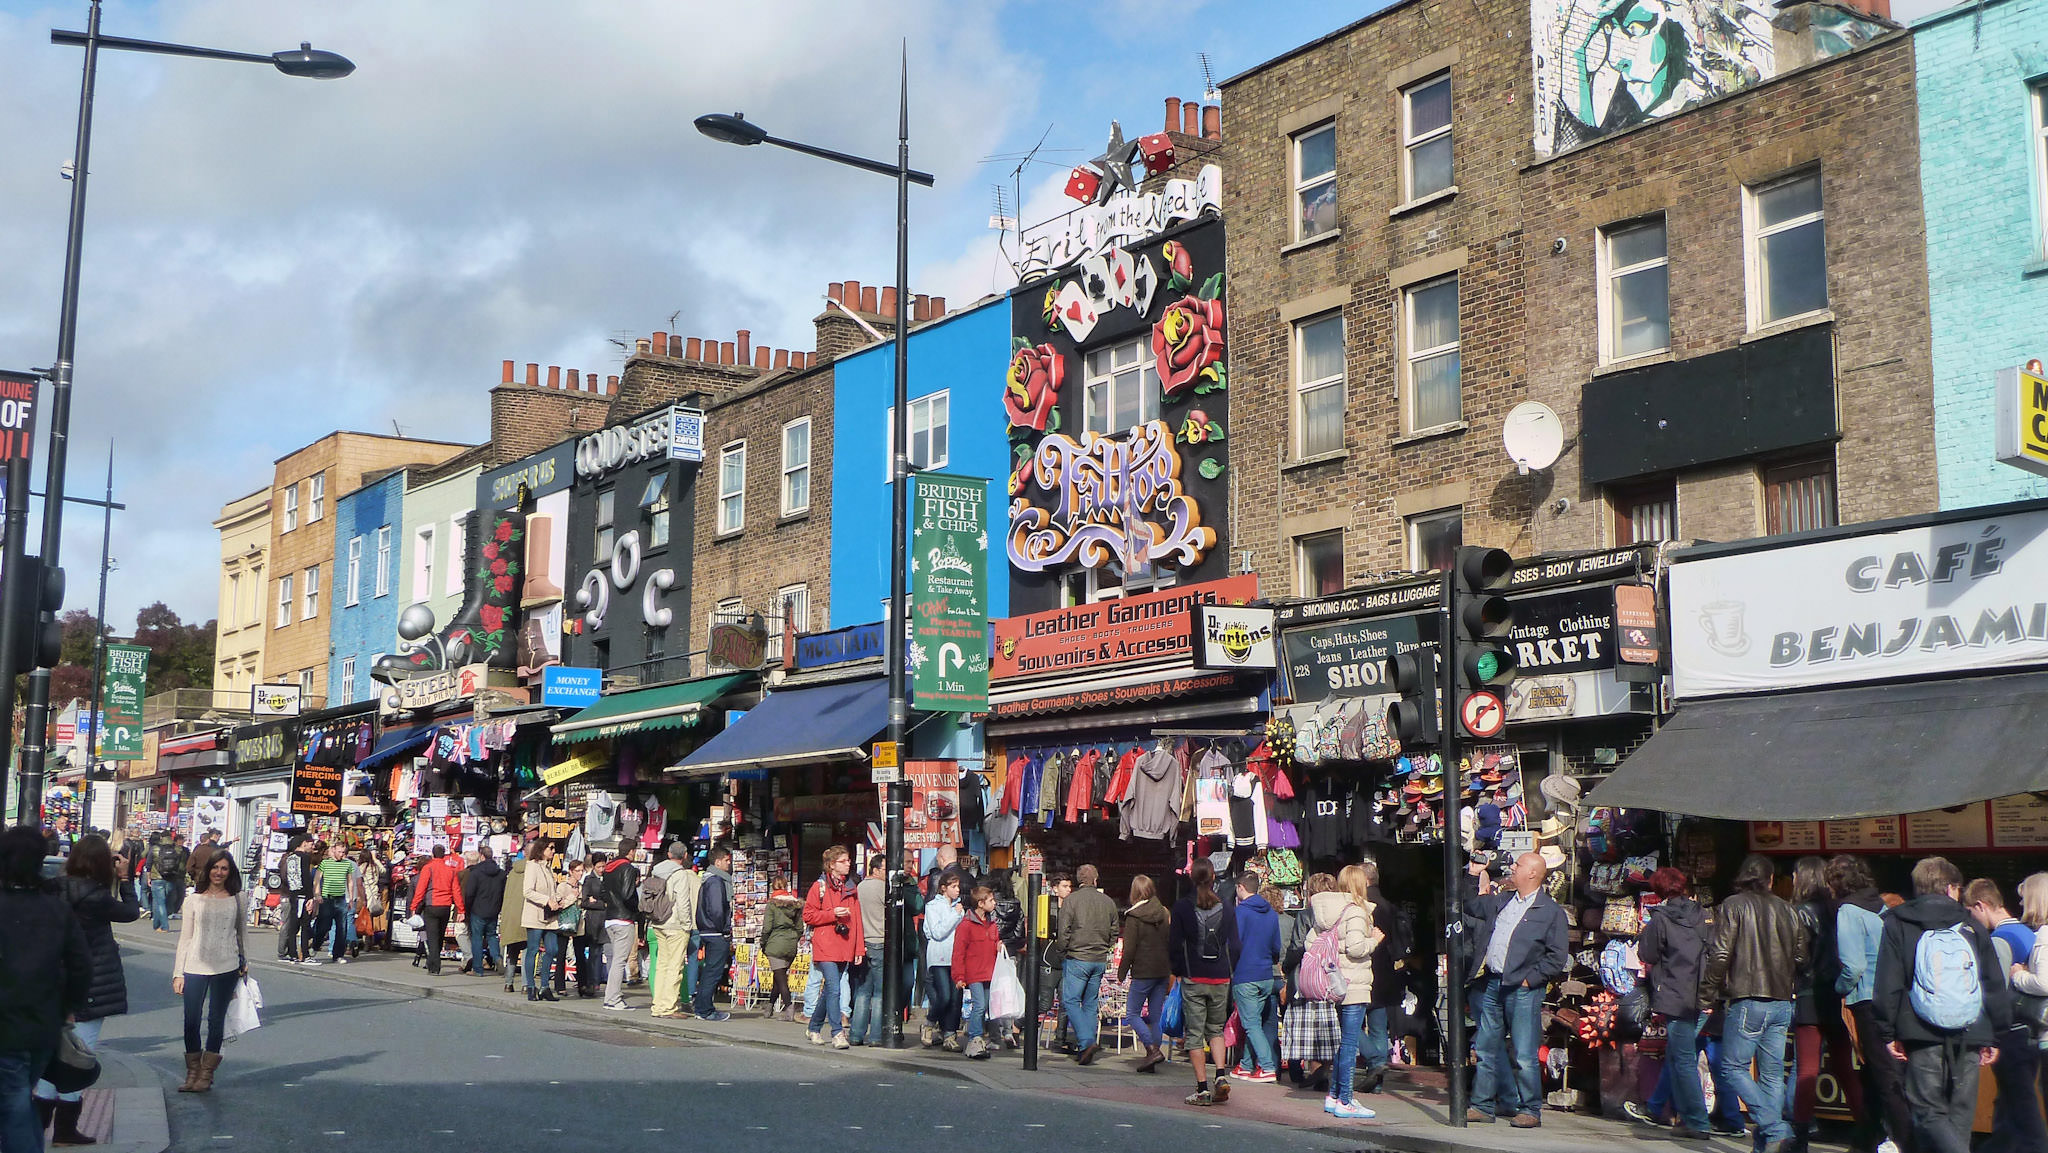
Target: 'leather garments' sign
{"points": [[1145, 628]]}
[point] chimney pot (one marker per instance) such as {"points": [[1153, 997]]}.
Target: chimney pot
{"points": [[725, 353], [924, 306], [575, 381], [507, 378], [781, 359], [867, 300], [938, 307], [1191, 118], [761, 358], [533, 375], [711, 350], [640, 346], [889, 302], [836, 290], [1173, 114], [660, 342], [554, 376], [693, 349], [611, 384], [746, 346], [851, 298], [1212, 122], [675, 345]]}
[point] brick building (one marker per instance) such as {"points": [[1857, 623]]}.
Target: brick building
{"points": [[1727, 309]]}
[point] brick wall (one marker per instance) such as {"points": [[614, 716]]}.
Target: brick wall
{"points": [[1853, 117], [528, 416], [1385, 471]]}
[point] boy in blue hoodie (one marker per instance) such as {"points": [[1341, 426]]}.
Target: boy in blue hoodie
{"points": [[1253, 988]]}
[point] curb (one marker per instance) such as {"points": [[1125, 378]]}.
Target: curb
{"points": [[142, 1122]]}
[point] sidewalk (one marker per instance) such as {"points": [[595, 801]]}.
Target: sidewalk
{"points": [[124, 1112], [1410, 1117]]}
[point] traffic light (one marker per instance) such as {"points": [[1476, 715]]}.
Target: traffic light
{"points": [[29, 593], [1482, 657], [1412, 720]]}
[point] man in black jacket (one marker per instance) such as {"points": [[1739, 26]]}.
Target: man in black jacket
{"points": [[620, 885], [714, 932], [1518, 948], [297, 874], [45, 974], [1752, 965], [1941, 1060], [483, 898]]}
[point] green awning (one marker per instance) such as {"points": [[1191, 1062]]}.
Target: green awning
{"points": [[645, 710]]}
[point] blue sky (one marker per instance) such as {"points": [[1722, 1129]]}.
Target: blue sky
{"points": [[269, 259]]}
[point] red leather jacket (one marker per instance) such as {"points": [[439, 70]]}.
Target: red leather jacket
{"points": [[439, 883]]}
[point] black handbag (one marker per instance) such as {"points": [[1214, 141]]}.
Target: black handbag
{"points": [[1632, 1013], [74, 1067]]}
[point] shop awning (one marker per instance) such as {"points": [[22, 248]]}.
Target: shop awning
{"points": [[398, 744], [1835, 754], [645, 710], [189, 762], [824, 722]]}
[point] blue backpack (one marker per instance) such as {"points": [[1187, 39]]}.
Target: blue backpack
{"points": [[1946, 992]]}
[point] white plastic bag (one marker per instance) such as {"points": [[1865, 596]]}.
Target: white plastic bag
{"points": [[242, 1007], [1005, 992]]}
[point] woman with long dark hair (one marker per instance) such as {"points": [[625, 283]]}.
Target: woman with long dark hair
{"points": [[93, 886], [1817, 1006], [211, 959]]}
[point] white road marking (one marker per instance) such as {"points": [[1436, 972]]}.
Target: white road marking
{"points": [[334, 1132]]}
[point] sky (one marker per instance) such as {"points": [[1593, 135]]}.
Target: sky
{"points": [[269, 259]]}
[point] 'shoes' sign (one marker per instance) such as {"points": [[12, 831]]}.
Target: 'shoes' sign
{"points": [[1941, 598], [949, 597]]}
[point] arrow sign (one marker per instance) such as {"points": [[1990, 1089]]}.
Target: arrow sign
{"points": [[1482, 714]]}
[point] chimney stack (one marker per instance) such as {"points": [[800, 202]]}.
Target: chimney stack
{"points": [[1173, 114], [575, 381], [1212, 122]]}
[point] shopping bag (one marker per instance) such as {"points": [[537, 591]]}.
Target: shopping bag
{"points": [[1169, 1017], [242, 1015], [1006, 991], [1233, 1032]]}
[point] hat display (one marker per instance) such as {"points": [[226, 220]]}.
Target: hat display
{"points": [[1561, 790], [1435, 768], [1433, 786], [1553, 857]]}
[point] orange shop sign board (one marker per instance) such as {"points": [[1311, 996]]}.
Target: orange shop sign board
{"points": [[1148, 628]]}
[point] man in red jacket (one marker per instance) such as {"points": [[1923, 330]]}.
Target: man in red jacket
{"points": [[435, 893]]}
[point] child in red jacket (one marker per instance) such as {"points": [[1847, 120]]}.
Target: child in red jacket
{"points": [[975, 945]]}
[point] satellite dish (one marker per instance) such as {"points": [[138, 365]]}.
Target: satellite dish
{"points": [[1533, 436]]}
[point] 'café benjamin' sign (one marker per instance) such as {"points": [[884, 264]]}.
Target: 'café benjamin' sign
{"points": [[1150, 627]]}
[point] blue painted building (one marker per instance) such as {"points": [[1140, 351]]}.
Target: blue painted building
{"points": [[1982, 78], [956, 426], [367, 595]]}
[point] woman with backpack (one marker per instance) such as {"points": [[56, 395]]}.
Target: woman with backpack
{"points": [[93, 887], [1341, 946], [1146, 969], [1202, 948], [1308, 1034]]}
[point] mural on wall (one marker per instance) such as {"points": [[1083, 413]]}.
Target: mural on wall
{"points": [[1605, 65], [1115, 210], [1117, 403], [485, 629]]}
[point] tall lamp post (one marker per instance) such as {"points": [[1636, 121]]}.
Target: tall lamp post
{"points": [[25, 615], [736, 129]]}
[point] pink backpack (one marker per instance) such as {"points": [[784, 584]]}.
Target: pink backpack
{"points": [[1322, 967]]}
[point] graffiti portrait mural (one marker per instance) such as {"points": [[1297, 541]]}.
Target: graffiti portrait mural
{"points": [[1605, 65]]}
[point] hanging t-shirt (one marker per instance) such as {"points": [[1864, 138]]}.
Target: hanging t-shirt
{"points": [[600, 819], [1325, 819], [1212, 807]]}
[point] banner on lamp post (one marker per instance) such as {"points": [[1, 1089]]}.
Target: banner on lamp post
{"points": [[949, 593], [121, 703]]}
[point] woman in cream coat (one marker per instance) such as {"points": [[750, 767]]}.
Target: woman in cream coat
{"points": [[537, 909], [1348, 913]]}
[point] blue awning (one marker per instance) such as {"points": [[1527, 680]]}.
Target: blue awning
{"points": [[793, 726], [396, 744]]}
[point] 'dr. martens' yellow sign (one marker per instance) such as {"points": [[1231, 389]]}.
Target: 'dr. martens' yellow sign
{"points": [[2023, 418]]}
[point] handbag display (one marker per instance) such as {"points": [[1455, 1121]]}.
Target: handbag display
{"points": [[1622, 917]]}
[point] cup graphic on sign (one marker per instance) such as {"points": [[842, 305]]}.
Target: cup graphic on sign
{"points": [[1722, 621]]}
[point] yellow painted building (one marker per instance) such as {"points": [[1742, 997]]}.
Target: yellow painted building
{"points": [[244, 527]]}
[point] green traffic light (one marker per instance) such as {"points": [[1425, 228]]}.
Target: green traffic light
{"points": [[1487, 665]]}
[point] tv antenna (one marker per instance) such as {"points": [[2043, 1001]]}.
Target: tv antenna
{"points": [[1210, 92]]}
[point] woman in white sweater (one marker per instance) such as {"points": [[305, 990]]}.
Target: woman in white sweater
{"points": [[1348, 913], [210, 961]]}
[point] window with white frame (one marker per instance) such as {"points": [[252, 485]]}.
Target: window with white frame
{"points": [[1636, 301], [312, 593], [601, 545], [291, 508], [1315, 182], [1433, 539], [1788, 259], [2040, 108], [794, 603], [1319, 564], [383, 560], [423, 564], [306, 683], [1319, 385], [316, 504], [1430, 333], [458, 554], [796, 466], [1122, 389], [654, 502], [255, 612], [347, 687], [931, 433], [284, 600], [1426, 136], [233, 608], [732, 487], [352, 591], [1113, 581]]}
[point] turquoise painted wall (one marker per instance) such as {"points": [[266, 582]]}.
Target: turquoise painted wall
{"points": [[1987, 241]]}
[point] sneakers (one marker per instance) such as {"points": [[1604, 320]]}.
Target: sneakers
{"points": [[1220, 1092], [341, 960], [1258, 1076], [1638, 1113], [817, 1036], [951, 1044], [715, 1016], [1348, 1110], [977, 1049], [615, 1006], [312, 961], [1243, 1072], [839, 1041], [1199, 1097], [929, 1036]]}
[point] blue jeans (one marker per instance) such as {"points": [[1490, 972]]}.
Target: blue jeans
{"points": [[1349, 1019], [717, 959], [21, 1131], [483, 942], [1147, 1001], [1374, 1048], [1510, 1081], [1727, 1110], [867, 1001], [1682, 1068], [690, 966], [1081, 997], [833, 975], [1258, 1015], [88, 1032], [159, 904], [941, 999], [1756, 1029], [207, 995], [977, 999], [550, 957]]}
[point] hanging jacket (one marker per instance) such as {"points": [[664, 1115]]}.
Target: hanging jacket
{"points": [[1150, 808], [97, 909]]}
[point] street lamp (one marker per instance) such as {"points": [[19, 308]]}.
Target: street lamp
{"points": [[304, 61], [737, 129]]}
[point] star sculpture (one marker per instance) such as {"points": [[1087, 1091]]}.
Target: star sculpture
{"points": [[1115, 165], [981, 542]]}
